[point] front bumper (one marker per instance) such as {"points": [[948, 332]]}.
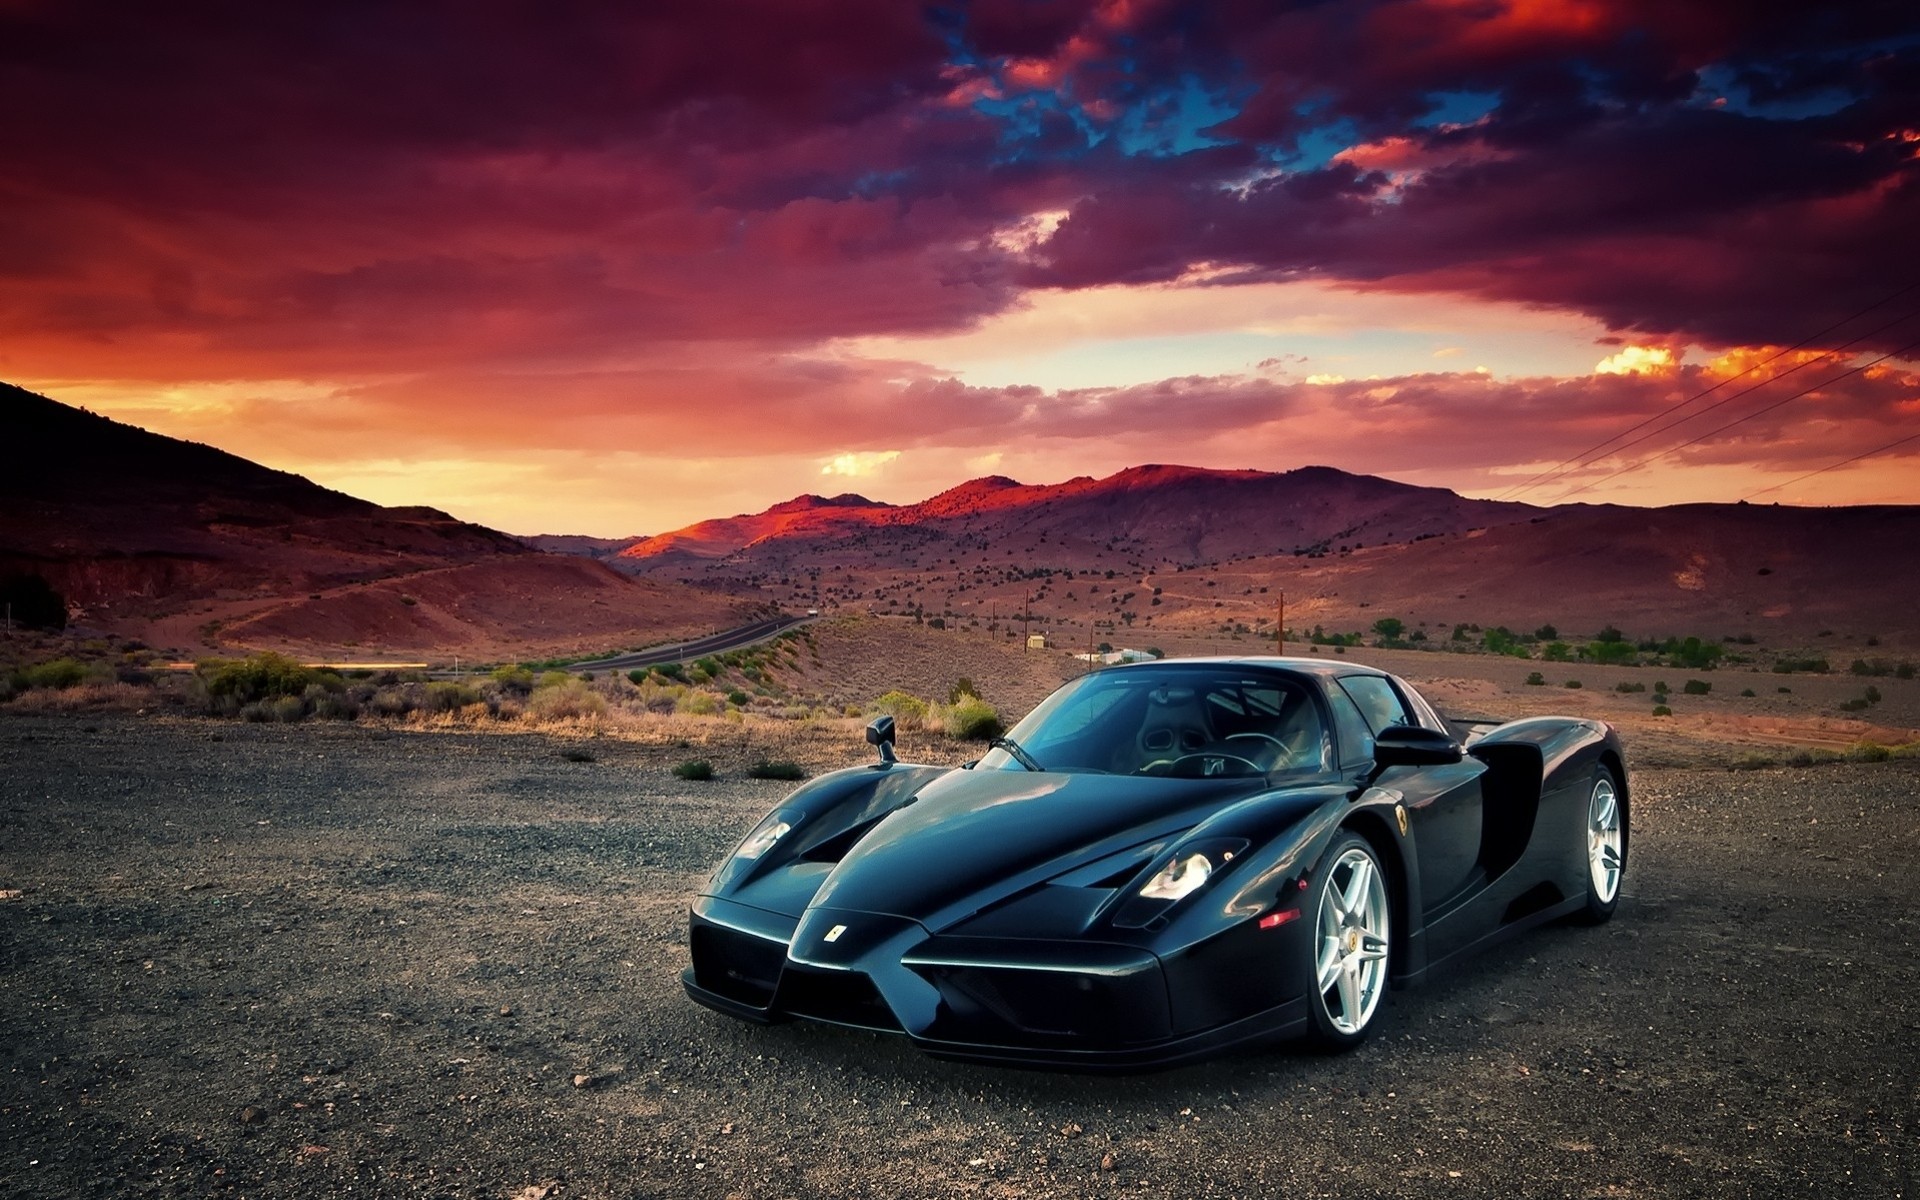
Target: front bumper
{"points": [[1040, 1003]]}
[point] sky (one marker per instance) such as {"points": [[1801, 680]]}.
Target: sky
{"points": [[611, 268]]}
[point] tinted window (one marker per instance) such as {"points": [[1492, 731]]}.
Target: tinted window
{"points": [[1356, 741], [1378, 702], [1423, 713]]}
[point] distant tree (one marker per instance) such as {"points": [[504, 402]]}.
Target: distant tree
{"points": [[1390, 627], [33, 602], [1546, 633]]}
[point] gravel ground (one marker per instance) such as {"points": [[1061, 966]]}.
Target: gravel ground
{"points": [[273, 961]]}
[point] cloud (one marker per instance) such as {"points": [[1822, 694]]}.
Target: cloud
{"points": [[859, 463], [746, 228]]}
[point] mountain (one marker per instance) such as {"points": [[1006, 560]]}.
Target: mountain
{"points": [[579, 543], [187, 545], [801, 517], [1189, 549], [1154, 512]]}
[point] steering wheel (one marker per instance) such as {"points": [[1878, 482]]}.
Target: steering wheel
{"points": [[1286, 751], [1217, 756]]}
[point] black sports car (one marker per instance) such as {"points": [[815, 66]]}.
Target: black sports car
{"points": [[1160, 861]]}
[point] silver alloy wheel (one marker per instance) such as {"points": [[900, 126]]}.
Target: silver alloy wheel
{"points": [[1351, 967], [1603, 840]]}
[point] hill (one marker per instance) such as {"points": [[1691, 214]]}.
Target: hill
{"points": [[1188, 551], [191, 547]]}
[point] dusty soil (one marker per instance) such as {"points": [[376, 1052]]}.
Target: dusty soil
{"points": [[311, 960]]}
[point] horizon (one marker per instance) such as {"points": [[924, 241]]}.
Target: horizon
{"points": [[607, 273]]}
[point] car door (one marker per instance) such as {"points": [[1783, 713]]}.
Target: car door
{"points": [[1443, 803]]}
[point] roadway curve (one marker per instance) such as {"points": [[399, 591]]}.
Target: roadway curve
{"points": [[726, 639]]}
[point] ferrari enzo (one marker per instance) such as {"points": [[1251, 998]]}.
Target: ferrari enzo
{"points": [[1161, 861]]}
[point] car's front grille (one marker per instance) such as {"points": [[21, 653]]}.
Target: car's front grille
{"points": [[843, 997], [736, 965]]}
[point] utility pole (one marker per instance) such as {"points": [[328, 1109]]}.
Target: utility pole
{"points": [[1280, 628], [1026, 611]]}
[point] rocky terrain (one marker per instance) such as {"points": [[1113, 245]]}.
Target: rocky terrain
{"points": [[259, 960], [185, 546]]}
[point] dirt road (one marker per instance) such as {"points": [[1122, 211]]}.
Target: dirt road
{"points": [[320, 960]]}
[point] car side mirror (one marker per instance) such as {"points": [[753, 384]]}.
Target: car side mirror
{"points": [[880, 734], [1411, 746]]}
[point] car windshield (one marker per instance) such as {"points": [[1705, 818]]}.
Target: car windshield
{"points": [[1192, 722]]}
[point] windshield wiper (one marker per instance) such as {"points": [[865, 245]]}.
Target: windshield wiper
{"points": [[1020, 756]]}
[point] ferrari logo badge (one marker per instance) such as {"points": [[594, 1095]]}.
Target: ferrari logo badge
{"points": [[833, 935], [1399, 814]]}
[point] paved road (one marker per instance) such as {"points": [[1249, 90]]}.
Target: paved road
{"points": [[729, 639]]}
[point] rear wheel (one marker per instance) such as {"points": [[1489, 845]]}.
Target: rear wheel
{"points": [[1351, 943], [1606, 847]]}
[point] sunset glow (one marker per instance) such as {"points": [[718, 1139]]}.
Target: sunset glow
{"points": [[612, 270]]}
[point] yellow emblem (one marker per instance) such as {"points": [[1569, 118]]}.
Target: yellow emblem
{"points": [[1400, 815]]}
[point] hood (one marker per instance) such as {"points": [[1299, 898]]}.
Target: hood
{"points": [[973, 838]]}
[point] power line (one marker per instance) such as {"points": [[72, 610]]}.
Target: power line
{"points": [[1758, 412], [1562, 467], [1833, 354], [1834, 466]]}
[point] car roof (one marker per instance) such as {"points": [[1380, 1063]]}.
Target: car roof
{"points": [[1304, 666]]}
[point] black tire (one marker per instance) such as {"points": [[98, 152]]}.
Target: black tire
{"points": [[1603, 830], [1349, 956]]}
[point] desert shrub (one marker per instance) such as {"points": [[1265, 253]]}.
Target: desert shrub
{"points": [[1903, 671], [54, 673], [1868, 752], [1696, 687], [579, 756], [1872, 694], [285, 709], [963, 686], [506, 708], [1631, 685], [736, 696], [776, 769], [694, 769], [712, 666], [1609, 652], [571, 700], [1692, 652], [700, 704], [331, 706], [1573, 683], [450, 697], [553, 679], [392, 702], [1557, 652], [907, 710], [672, 670], [262, 676], [1661, 710], [1854, 705], [1788, 666], [638, 676], [973, 720], [1536, 679], [513, 678], [1746, 691]]}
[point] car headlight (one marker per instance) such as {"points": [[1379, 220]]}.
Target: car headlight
{"points": [[1184, 873], [770, 830], [1179, 878]]}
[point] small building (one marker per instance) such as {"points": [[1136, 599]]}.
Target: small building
{"points": [[1036, 641]]}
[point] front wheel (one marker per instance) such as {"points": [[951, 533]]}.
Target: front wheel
{"points": [[1351, 943], [1606, 847]]}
